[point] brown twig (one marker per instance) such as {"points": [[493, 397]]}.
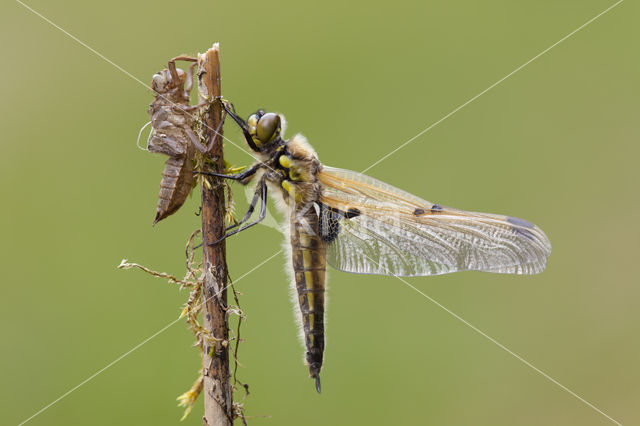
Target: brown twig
{"points": [[218, 404]]}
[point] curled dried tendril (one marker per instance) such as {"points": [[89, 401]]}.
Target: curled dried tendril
{"points": [[148, 137]]}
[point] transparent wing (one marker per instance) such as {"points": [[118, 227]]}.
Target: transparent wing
{"points": [[375, 228]]}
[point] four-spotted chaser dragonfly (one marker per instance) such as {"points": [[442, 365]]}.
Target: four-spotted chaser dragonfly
{"points": [[358, 224]]}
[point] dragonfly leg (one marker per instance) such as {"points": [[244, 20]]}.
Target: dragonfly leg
{"points": [[172, 66], [262, 187], [183, 58], [189, 84], [204, 103], [242, 124], [239, 177], [195, 140], [193, 107], [174, 71], [217, 131], [250, 210]]}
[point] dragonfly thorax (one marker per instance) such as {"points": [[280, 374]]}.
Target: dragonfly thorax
{"points": [[300, 166]]}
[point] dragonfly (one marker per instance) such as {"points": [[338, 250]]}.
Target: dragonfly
{"points": [[358, 224]]}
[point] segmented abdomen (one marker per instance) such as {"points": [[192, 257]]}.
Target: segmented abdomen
{"points": [[309, 264], [175, 186]]}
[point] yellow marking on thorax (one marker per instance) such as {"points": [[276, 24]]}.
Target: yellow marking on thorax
{"points": [[297, 169], [291, 190], [285, 161]]}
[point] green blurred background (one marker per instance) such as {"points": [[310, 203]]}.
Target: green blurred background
{"points": [[557, 143]]}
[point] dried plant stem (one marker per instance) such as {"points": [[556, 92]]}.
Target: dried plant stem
{"points": [[218, 404]]}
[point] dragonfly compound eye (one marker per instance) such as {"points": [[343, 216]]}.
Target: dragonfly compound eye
{"points": [[268, 128]]}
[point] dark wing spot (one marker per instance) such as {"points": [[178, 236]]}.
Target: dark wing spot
{"points": [[524, 232], [521, 227], [520, 222], [419, 212], [352, 212], [436, 208]]}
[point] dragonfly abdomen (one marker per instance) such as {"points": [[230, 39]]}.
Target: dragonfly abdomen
{"points": [[309, 267], [176, 184]]}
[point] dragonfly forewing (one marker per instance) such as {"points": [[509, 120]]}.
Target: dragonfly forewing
{"points": [[397, 233]]}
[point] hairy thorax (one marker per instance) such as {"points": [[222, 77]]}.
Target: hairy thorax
{"points": [[298, 166]]}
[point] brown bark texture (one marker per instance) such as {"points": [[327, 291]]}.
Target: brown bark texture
{"points": [[218, 407]]}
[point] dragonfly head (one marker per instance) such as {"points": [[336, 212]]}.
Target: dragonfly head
{"points": [[162, 81], [265, 128]]}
